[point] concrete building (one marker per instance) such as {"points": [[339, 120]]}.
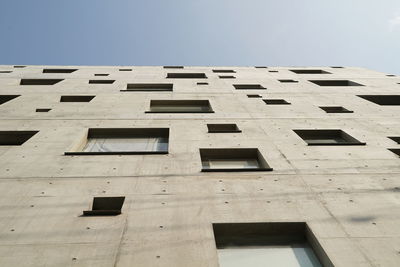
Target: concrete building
{"points": [[199, 166]]}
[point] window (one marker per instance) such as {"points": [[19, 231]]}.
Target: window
{"points": [[122, 141], [223, 128], [254, 96], [180, 106], [19, 67], [273, 71], [43, 109], [276, 102], [248, 87], [15, 138], [288, 81], [173, 67], [395, 151], [5, 71], [39, 81], [125, 69], [224, 71], [335, 109], [260, 67], [76, 98], [226, 77], [310, 71], [383, 100], [101, 74], [395, 138], [186, 76], [202, 83], [327, 137], [337, 67], [232, 159], [101, 81], [391, 75], [103, 206], [59, 70], [146, 87], [335, 83], [6, 98], [268, 244]]}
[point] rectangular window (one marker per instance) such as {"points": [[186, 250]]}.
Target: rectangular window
{"points": [[202, 83], [232, 159], [148, 87], [101, 74], [184, 75], [254, 96], [395, 151], [180, 106], [43, 109], [59, 70], [226, 77], [260, 67], [310, 71], [258, 244], [103, 206], [19, 67], [39, 81], [276, 102], [335, 83], [173, 67], [101, 81], [123, 141], [5, 71], [383, 100], [395, 138], [125, 69], [327, 137], [224, 71], [288, 81], [223, 128], [273, 71], [335, 109], [15, 138], [76, 98], [6, 98], [248, 87]]}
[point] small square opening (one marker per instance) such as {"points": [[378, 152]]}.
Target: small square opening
{"points": [[223, 128], [276, 102], [327, 137], [335, 83], [335, 109], [148, 87], [232, 159], [383, 100], [59, 70], [180, 106], [101, 81], [76, 98], [249, 87], [40, 81], [186, 75], [15, 138], [6, 98], [105, 206], [43, 109], [310, 71]]}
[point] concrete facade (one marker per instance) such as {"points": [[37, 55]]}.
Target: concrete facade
{"points": [[348, 195]]}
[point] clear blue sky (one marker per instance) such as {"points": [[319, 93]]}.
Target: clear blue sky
{"points": [[363, 33]]}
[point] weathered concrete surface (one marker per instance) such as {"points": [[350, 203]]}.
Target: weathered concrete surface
{"points": [[349, 195]]}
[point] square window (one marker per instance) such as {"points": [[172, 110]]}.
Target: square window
{"points": [[76, 98], [6, 98], [39, 81], [335, 109], [43, 109], [383, 100], [123, 141], [254, 96], [395, 151], [186, 75], [173, 67], [101, 81], [335, 83], [276, 102], [268, 244], [327, 138], [15, 138], [226, 77], [59, 70], [223, 128], [105, 206], [148, 87], [248, 87], [180, 106], [310, 71], [395, 138], [224, 71], [288, 81], [101, 74], [232, 159]]}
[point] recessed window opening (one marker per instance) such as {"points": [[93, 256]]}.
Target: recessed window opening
{"points": [[101, 74], [327, 137], [268, 244], [335, 83], [391, 75], [59, 70], [224, 71], [186, 75], [105, 206], [202, 83], [19, 67], [383, 100], [395, 151], [335, 109], [180, 106], [310, 71], [40, 81], [6, 98], [273, 71], [254, 96], [5, 71], [248, 87], [173, 67], [15, 138], [288, 81], [43, 109], [232, 159], [226, 77], [337, 67], [101, 81], [76, 98], [223, 128], [146, 87], [395, 138], [276, 102], [125, 69], [260, 67]]}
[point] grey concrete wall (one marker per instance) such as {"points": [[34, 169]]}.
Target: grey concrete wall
{"points": [[348, 195]]}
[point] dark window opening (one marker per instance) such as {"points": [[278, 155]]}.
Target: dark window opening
{"points": [[336, 109], [327, 137], [260, 67], [59, 70], [391, 75], [273, 71], [254, 96], [101, 74], [232, 159], [40, 81], [337, 67], [19, 67], [43, 109], [6, 98], [105, 206], [173, 67], [180, 106], [101, 81], [335, 83], [149, 87], [226, 77], [186, 76], [15, 138], [224, 71], [276, 102], [223, 128], [5, 71], [395, 138], [395, 151], [383, 100], [125, 69], [288, 81], [310, 71], [248, 87], [202, 83], [76, 98]]}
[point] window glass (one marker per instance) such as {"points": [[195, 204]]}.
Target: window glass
{"points": [[231, 164], [126, 144]]}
